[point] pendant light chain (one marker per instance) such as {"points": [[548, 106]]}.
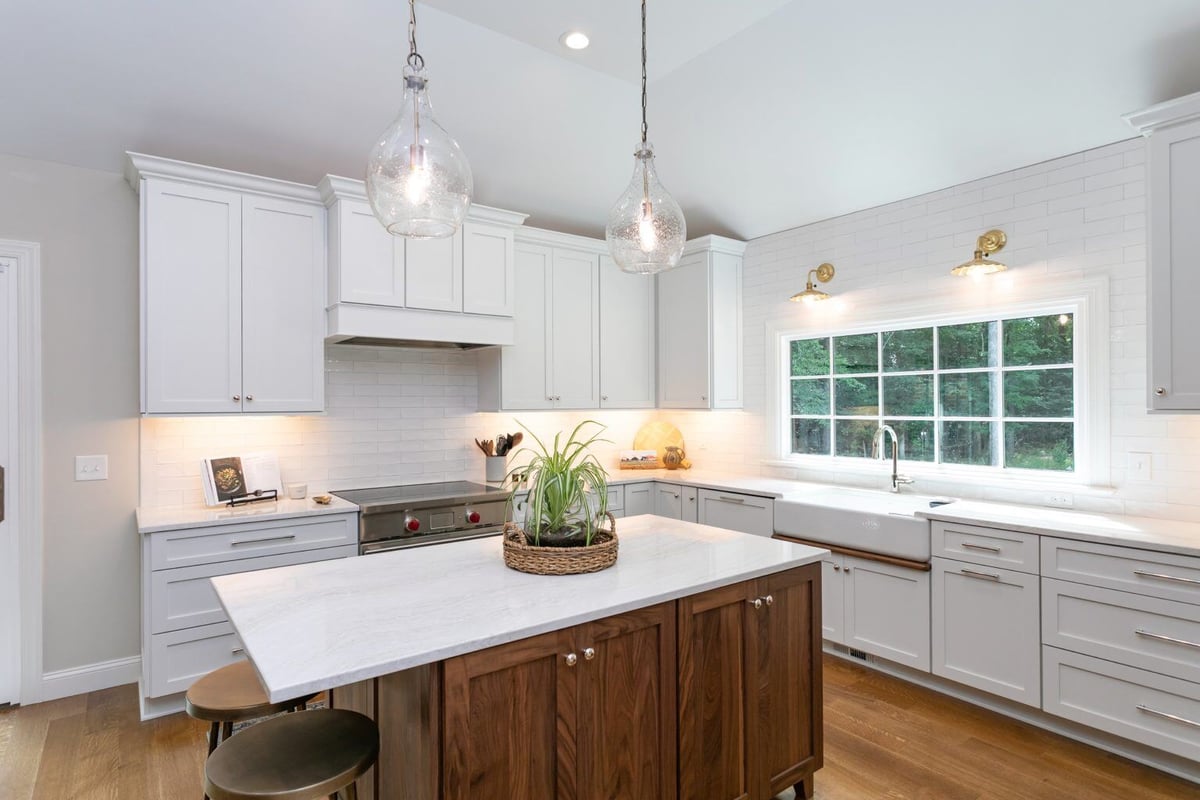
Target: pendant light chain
{"points": [[644, 128], [414, 58]]}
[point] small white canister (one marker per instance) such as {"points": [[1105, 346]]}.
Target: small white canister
{"points": [[495, 468]]}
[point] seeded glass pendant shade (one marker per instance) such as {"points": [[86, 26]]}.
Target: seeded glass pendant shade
{"points": [[419, 183], [646, 231]]}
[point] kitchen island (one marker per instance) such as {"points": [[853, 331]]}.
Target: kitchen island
{"points": [[690, 669]]}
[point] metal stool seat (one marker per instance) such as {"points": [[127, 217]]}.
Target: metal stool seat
{"points": [[233, 694], [303, 756]]}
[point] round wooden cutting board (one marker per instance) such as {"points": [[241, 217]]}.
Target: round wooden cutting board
{"points": [[657, 436]]}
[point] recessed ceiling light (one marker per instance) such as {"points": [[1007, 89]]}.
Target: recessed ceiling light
{"points": [[576, 40]]}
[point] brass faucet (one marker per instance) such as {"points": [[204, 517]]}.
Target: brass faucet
{"points": [[897, 478]]}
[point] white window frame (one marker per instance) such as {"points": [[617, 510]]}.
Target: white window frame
{"points": [[1086, 299]]}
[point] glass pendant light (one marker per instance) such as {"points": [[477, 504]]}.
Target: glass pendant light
{"points": [[646, 230], [418, 180]]}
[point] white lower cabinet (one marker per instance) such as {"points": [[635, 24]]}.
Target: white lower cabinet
{"points": [[985, 629], [737, 512], [185, 633], [691, 506], [884, 608], [668, 500]]}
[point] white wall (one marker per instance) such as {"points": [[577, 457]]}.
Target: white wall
{"points": [[1071, 218], [86, 223]]}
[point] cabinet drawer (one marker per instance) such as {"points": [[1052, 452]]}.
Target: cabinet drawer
{"points": [[737, 512], [180, 658], [191, 546], [1147, 632], [989, 546], [1165, 575], [1151, 709], [985, 629], [184, 597]]}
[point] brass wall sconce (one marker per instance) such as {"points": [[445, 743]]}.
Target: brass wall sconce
{"points": [[811, 293], [990, 242]]}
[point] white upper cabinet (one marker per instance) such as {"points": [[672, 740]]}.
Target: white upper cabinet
{"points": [[524, 369], [433, 271], [574, 340], [233, 287], [488, 272], [700, 327], [1173, 194], [366, 263], [283, 298], [627, 331]]}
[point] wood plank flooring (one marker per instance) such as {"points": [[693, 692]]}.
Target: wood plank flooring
{"points": [[884, 738]]}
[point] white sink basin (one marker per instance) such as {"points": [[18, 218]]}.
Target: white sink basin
{"points": [[878, 522]]}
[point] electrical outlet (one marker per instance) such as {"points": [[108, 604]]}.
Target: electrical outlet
{"points": [[91, 468], [1060, 500], [1140, 466]]}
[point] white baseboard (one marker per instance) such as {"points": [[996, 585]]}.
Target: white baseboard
{"points": [[90, 678]]}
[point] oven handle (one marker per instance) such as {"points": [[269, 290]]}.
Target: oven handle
{"points": [[371, 548]]}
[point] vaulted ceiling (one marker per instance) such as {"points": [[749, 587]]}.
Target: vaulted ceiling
{"points": [[766, 114]]}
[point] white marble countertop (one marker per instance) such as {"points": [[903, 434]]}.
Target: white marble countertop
{"points": [[1163, 535], [701, 479], [316, 626], [151, 520]]}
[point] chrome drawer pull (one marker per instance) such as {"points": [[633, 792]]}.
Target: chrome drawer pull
{"points": [[1165, 715], [1164, 638], [727, 499], [287, 538], [987, 576], [1163, 577], [237, 651], [984, 547]]}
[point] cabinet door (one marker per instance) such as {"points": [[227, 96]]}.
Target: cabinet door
{"points": [[784, 739], [433, 273], [683, 335], [832, 599], [1174, 328], [368, 262], [887, 611], [737, 512], [574, 340], [627, 338], [283, 305], [726, 335], [639, 499], [489, 274], [627, 713], [714, 677], [691, 505], [191, 299], [510, 716], [524, 366], [668, 500]]}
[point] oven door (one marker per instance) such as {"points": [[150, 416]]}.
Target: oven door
{"points": [[408, 542]]}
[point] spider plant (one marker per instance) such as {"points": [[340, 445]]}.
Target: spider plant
{"points": [[568, 489]]}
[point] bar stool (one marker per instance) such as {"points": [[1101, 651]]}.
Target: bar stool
{"points": [[233, 694], [302, 756]]}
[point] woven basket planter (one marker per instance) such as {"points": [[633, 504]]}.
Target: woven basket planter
{"points": [[524, 557]]}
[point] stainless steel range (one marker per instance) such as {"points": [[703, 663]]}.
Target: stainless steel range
{"points": [[396, 517]]}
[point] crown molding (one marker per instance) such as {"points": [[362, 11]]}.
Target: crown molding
{"points": [[715, 244], [557, 239], [140, 165], [1172, 112]]}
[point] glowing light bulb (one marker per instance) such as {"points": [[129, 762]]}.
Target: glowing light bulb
{"points": [[647, 237], [416, 187]]}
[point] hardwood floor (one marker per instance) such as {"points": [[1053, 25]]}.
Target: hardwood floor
{"points": [[884, 738]]}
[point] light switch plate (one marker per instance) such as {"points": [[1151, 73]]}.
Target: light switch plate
{"points": [[1141, 466], [91, 468]]}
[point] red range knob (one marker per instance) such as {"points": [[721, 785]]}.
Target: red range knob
{"points": [[413, 524], [473, 517]]}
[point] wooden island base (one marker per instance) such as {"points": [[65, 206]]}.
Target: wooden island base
{"points": [[715, 696]]}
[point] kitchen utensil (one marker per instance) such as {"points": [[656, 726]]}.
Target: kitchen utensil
{"points": [[482, 448], [516, 439]]}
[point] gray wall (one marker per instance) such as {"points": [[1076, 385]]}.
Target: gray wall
{"points": [[86, 223]]}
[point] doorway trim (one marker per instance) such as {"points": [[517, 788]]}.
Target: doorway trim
{"points": [[25, 330]]}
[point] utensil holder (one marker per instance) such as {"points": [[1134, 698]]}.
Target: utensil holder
{"points": [[495, 468]]}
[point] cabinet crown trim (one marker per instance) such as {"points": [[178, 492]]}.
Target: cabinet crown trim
{"points": [[715, 244], [558, 239], [140, 165], [333, 187], [1171, 112]]}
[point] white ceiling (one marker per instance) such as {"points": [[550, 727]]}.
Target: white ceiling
{"points": [[787, 113]]}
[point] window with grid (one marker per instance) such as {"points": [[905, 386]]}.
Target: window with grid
{"points": [[992, 393]]}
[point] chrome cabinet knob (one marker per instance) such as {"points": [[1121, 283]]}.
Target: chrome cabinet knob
{"points": [[237, 398], [836, 568], [604, 397], [769, 600], [249, 397], [589, 653], [756, 602], [572, 659], [1160, 391]]}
